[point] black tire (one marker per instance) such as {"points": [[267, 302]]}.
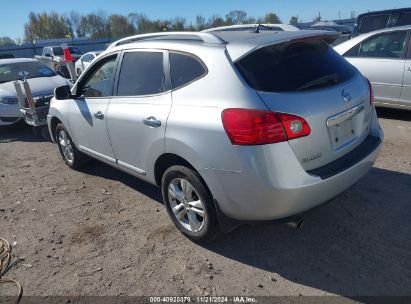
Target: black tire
{"points": [[42, 131], [209, 229], [45, 133], [78, 159], [36, 131]]}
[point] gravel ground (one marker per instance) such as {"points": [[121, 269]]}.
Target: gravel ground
{"points": [[102, 232]]}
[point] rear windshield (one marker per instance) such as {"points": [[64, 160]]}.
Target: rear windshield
{"points": [[295, 66]]}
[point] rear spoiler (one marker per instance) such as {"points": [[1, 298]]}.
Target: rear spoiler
{"points": [[238, 49]]}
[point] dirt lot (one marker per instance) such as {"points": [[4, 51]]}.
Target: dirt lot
{"points": [[102, 232]]}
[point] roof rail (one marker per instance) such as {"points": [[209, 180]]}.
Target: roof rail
{"points": [[204, 37]]}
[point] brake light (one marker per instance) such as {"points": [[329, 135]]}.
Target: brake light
{"points": [[371, 93], [258, 127]]}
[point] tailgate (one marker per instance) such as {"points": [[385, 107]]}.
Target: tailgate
{"points": [[337, 126], [309, 79]]}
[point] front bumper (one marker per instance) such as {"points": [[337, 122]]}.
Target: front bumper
{"points": [[9, 114]]}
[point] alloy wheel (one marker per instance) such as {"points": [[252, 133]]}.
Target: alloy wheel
{"points": [[66, 146], [186, 204]]}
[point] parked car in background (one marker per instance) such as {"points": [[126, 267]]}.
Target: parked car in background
{"points": [[373, 21], [344, 31], [332, 26], [384, 57], [42, 81], [254, 27], [57, 52], [260, 125], [53, 57], [85, 61]]}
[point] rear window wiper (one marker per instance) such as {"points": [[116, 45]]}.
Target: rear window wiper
{"points": [[328, 79]]}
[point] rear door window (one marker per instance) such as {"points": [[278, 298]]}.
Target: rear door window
{"points": [[185, 68], [372, 23], [387, 45], [296, 66], [141, 73]]}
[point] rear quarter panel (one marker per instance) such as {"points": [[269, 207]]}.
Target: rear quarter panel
{"points": [[194, 127]]}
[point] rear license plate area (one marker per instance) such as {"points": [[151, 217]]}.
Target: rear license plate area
{"points": [[345, 128]]}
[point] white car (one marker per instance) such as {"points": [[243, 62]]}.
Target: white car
{"points": [[384, 57], [42, 81], [233, 126], [85, 61]]}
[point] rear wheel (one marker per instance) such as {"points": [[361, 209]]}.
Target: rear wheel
{"points": [[71, 156], [189, 204]]}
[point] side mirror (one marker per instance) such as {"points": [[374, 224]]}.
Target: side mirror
{"points": [[62, 93]]}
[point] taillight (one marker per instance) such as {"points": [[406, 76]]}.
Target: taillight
{"points": [[371, 95], [294, 126], [258, 127]]}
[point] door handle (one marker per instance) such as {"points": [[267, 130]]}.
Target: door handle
{"points": [[99, 115], [152, 122], [409, 69]]}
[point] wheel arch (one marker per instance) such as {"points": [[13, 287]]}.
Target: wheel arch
{"points": [[167, 160], [53, 124]]}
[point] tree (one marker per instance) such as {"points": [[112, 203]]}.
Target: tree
{"points": [[100, 25], [6, 41], [73, 20], [250, 20], [143, 24], [235, 17], [294, 20], [216, 21], [200, 23], [95, 25], [119, 26], [178, 24], [271, 18], [45, 26]]}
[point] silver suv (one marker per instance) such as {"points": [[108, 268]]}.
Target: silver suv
{"points": [[233, 126]]}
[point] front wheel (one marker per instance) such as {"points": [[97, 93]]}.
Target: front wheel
{"points": [[189, 204], [71, 156]]}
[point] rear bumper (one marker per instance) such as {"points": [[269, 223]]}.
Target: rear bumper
{"points": [[280, 187]]}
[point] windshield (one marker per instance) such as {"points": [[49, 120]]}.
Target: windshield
{"points": [[295, 66], [8, 72], [57, 51]]}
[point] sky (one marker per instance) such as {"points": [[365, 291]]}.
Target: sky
{"points": [[13, 13]]}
